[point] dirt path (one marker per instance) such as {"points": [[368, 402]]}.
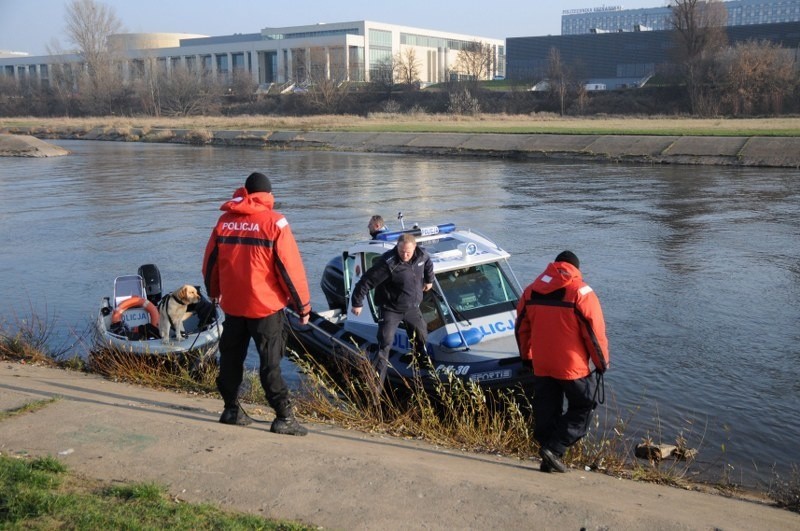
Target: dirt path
{"points": [[333, 478]]}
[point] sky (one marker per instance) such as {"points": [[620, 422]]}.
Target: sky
{"points": [[31, 25]]}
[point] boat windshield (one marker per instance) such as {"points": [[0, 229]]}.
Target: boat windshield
{"points": [[470, 292]]}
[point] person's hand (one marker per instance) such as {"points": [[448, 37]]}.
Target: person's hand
{"points": [[426, 287], [356, 310], [304, 319]]}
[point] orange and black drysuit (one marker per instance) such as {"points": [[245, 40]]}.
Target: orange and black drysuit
{"points": [[253, 266], [560, 328]]}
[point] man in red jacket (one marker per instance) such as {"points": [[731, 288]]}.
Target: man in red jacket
{"points": [[253, 267], [559, 329]]}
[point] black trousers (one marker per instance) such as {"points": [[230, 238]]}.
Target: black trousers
{"points": [[416, 328], [556, 429], [269, 334]]}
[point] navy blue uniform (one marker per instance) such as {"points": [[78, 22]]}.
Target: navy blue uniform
{"points": [[398, 293]]}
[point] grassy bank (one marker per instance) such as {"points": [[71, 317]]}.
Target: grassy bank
{"points": [[484, 123], [40, 493]]}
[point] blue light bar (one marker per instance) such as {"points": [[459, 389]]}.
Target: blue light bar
{"points": [[432, 230]]}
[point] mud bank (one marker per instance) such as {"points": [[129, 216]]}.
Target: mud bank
{"points": [[28, 146]]}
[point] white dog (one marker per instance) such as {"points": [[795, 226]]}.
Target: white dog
{"points": [[173, 311]]}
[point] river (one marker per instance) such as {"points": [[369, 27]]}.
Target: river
{"points": [[697, 268]]}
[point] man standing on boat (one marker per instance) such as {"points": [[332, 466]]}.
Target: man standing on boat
{"points": [[376, 226], [253, 266], [559, 328], [399, 277]]}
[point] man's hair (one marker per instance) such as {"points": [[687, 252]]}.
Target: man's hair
{"points": [[376, 220], [406, 238]]}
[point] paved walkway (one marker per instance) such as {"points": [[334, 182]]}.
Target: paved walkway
{"points": [[333, 478]]}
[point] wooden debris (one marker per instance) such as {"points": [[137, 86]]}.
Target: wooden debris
{"points": [[657, 452], [654, 452], [684, 454]]}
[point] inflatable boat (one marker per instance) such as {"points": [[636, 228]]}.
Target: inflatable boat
{"points": [[128, 320]]}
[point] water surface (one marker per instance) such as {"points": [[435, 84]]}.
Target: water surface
{"points": [[697, 268]]}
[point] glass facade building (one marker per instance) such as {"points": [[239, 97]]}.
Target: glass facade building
{"points": [[616, 19], [618, 59], [288, 56]]}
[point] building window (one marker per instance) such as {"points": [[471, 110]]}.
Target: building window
{"points": [[380, 38], [238, 61]]}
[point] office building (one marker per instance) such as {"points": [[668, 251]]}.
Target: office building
{"points": [[341, 51], [606, 19]]}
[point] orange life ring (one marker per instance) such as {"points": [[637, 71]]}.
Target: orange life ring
{"points": [[135, 302]]}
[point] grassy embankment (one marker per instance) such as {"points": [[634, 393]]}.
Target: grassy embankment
{"points": [[485, 123], [40, 493]]}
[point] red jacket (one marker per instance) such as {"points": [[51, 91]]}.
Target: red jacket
{"points": [[252, 263], [560, 325]]}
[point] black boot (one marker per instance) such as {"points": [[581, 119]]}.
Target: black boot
{"points": [[235, 415], [551, 460], [285, 423], [287, 426]]}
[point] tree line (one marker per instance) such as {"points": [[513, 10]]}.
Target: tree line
{"points": [[706, 77]]}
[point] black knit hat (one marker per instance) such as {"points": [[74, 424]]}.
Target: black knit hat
{"points": [[568, 257], [257, 182]]}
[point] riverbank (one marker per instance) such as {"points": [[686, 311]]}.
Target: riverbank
{"points": [[333, 478], [28, 146], [757, 151]]}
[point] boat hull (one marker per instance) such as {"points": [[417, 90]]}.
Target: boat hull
{"points": [[203, 343], [326, 339]]}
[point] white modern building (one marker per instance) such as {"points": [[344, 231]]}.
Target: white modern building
{"points": [[615, 18], [341, 51]]}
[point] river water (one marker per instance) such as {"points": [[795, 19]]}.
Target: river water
{"points": [[697, 268]]}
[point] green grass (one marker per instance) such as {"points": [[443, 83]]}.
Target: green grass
{"points": [[30, 407], [41, 494]]}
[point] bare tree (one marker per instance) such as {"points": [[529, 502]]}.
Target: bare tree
{"points": [[243, 86], [187, 93], [89, 25], [62, 77], [406, 67], [756, 77], [382, 76], [558, 78], [475, 60], [699, 27], [327, 92]]}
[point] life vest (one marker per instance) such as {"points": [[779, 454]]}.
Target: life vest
{"points": [[560, 325], [252, 262]]}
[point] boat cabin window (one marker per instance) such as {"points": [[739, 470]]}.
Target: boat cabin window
{"points": [[478, 291]]}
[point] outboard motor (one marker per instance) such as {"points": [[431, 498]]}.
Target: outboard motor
{"points": [[332, 284], [152, 282]]}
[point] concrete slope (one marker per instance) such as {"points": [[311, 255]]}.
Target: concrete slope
{"points": [[333, 478]]}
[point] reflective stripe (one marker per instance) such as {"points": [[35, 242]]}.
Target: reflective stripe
{"points": [[281, 223], [584, 290], [257, 242]]}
